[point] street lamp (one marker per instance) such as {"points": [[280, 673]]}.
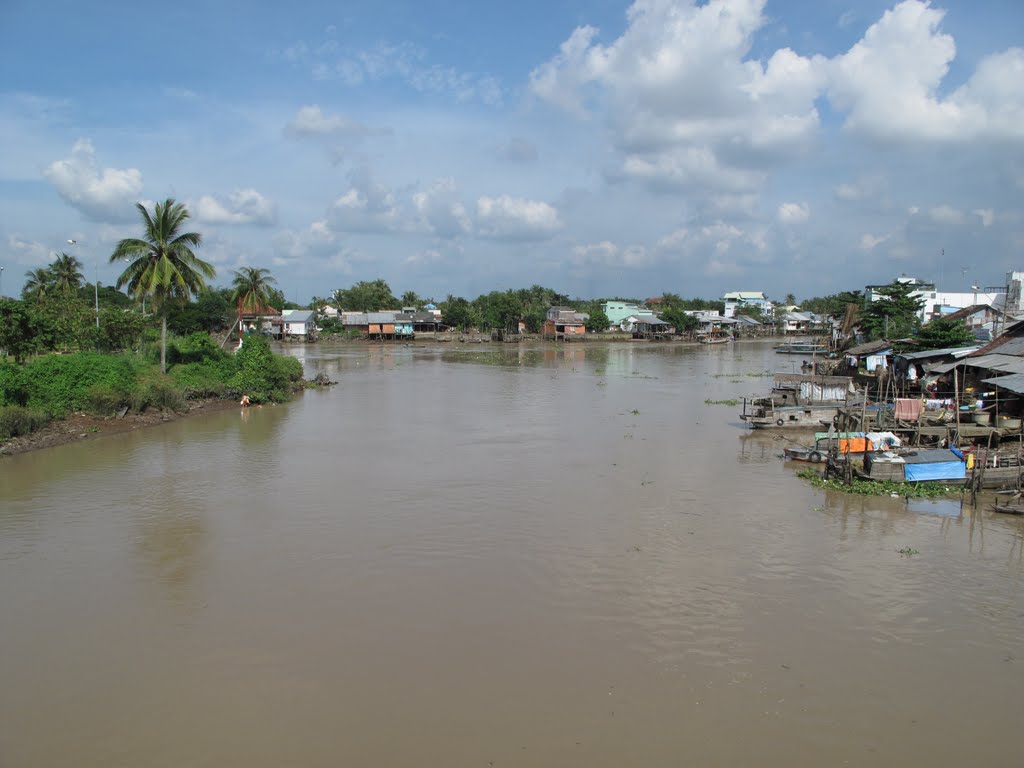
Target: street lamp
{"points": [[1, 282], [95, 284]]}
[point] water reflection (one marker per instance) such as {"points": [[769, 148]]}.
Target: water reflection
{"points": [[486, 548]]}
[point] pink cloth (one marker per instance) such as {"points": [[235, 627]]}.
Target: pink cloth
{"points": [[908, 409]]}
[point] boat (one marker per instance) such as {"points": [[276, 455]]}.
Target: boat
{"points": [[798, 400], [944, 465], [802, 348], [715, 336], [846, 444], [1009, 509], [843, 446], [714, 339]]}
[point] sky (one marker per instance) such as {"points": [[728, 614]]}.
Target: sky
{"points": [[598, 148]]}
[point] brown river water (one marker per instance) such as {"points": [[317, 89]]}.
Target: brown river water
{"points": [[469, 555]]}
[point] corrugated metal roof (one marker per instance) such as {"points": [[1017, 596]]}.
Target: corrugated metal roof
{"points": [[929, 353], [993, 362], [373, 318], [1012, 383], [869, 348], [299, 316], [354, 318]]}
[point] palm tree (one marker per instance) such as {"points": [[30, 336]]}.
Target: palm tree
{"points": [[411, 299], [162, 264], [253, 291], [67, 274], [38, 283]]}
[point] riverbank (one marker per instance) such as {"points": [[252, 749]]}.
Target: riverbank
{"points": [[84, 426]]}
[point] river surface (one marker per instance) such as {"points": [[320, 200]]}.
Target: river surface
{"points": [[469, 555]]}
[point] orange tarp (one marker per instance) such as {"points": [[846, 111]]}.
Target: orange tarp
{"points": [[854, 445]]}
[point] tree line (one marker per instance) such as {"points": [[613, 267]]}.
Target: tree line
{"points": [[162, 268]]}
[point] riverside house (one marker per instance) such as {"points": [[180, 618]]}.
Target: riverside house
{"points": [[564, 322]]}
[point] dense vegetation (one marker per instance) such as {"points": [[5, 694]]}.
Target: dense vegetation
{"points": [[67, 346], [105, 384], [931, 490]]}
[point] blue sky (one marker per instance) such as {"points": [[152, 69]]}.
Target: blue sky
{"points": [[598, 148]]}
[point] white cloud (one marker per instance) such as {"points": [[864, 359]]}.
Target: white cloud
{"points": [[685, 104], [987, 216], [439, 210], [27, 252], [889, 82], [869, 242], [311, 121], [794, 213], [367, 206], [946, 214], [607, 254], [405, 62], [107, 195], [512, 218], [243, 206]]}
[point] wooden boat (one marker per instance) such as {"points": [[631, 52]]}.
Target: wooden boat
{"points": [[798, 400], [1009, 509], [847, 445], [721, 337], [915, 466], [802, 348]]}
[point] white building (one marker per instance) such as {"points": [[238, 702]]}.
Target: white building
{"points": [[737, 299], [938, 303]]}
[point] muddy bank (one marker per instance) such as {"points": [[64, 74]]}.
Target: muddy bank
{"points": [[83, 426]]}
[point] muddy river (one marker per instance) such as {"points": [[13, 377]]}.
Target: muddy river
{"points": [[465, 555]]}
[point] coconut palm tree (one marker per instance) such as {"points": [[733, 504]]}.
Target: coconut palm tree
{"points": [[38, 283], [252, 288], [162, 265], [253, 291], [67, 274]]}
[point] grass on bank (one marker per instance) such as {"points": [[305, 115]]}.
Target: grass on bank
{"points": [[881, 487], [51, 387]]}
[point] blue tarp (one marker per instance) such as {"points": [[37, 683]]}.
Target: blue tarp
{"points": [[940, 470]]}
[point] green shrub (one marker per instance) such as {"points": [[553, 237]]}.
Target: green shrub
{"points": [[195, 348], [164, 395], [210, 378], [12, 385], [262, 375], [15, 420], [60, 383], [105, 400]]}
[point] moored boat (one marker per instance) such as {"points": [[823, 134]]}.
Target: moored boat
{"points": [[802, 348], [798, 400]]}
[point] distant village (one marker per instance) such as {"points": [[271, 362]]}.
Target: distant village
{"points": [[743, 314]]}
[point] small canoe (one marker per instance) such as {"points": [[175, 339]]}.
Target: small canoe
{"points": [[1009, 509]]}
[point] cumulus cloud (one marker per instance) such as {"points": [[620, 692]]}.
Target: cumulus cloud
{"points": [[439, 210], [311, 121], [987, 216], [607, 254], [27, 251], [102, 195], [889, 83], [685, 103], [243, 206], [367, 206], [513, 218], [690, 108], [716, 248], [946, 214], [869, 242], [794, 213]]}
